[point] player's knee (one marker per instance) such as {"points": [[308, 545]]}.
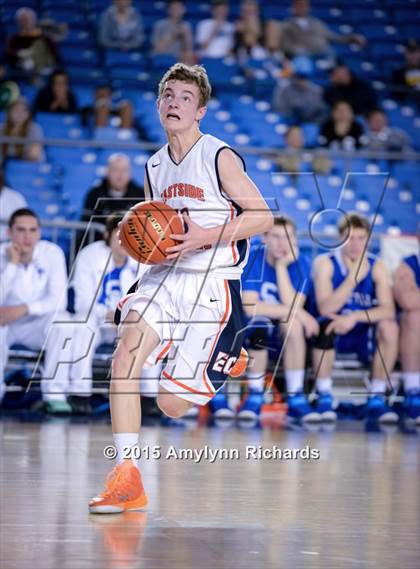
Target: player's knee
{"points": [[388, 331], [324, 340], [293, 330], [258, 338], [410, 320], [121, 360]]}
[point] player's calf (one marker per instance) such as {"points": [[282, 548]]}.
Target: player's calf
{"points": [[172, 405]]}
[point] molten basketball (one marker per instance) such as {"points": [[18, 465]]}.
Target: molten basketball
{"points": [[145, 231]]}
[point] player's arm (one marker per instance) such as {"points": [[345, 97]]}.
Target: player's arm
{"points": [[386, 308], [255, 218], [147, 189], [406, 291], [56, 297], [9, 260], [328, 300], [287, 291], [254, 307]]}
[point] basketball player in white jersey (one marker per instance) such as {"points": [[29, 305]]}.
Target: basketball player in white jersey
{"points": [[32, 292], [188, 309]]}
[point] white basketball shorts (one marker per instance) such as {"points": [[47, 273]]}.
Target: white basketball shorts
{"points": [[198, 318]]}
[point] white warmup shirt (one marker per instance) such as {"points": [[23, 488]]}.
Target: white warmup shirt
{"points": [[98, 283], [221, 44], [194, 184], [41, 285]]}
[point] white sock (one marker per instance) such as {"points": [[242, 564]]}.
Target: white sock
{"points": [[378, 387], [411, 380], [294, 380], [256, 381], [324, 384], [122, 441]]}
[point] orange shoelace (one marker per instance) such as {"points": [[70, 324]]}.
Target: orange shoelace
{"points": [[118, 482]]}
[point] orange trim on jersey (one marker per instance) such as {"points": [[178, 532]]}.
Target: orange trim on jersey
{"points": [[186, 387], [164, 351], [233, 244], [221, 328], [123, 300]]}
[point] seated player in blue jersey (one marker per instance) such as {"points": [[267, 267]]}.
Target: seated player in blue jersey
{"points": [[357, 315], [407, 295], [275, 284]]}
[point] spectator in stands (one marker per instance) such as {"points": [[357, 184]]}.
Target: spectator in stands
{"points": [[34, 278], [356, 315], [103, 273], [121, 27], [215, 36], [407, 295], [10, 201], [249, 32], [275, 283], [293, 159], [173, 35], [116, 193], [382, 138], [406, 79], [106, 107], [29, 51], [299, 99], [341, 130], [304, 34], [19, 123], [56, 97], [345, 86]]}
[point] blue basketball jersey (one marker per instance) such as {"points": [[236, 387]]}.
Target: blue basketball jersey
{"points": [[413, 262], [111, 288], [260, 276], [363, 295]]}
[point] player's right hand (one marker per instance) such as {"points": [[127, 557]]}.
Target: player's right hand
{"points": [[13, 252]]}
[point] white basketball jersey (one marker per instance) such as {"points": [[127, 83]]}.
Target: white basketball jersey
{"points": [[194, 184]]}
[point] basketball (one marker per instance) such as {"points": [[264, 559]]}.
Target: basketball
{"points": [[241, 364], [145, 231]]}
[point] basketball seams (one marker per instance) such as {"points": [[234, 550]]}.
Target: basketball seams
{"points": [[164, 216], [143, 224]]}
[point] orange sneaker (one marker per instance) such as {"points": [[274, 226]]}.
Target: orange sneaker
{"points": [[240, 365], [124, 491]]}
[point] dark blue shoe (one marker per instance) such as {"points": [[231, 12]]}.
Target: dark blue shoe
{"points": [[219, 406], [411, 406], [251, 406], [299, 408], [377, 409], [324, 406]]}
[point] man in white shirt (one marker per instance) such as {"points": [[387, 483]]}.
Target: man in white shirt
{"points": [[10, 201], [103, 273], [215, 36], [33, 294]]}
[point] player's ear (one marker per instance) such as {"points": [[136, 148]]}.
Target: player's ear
{"points": [[201, 113]]}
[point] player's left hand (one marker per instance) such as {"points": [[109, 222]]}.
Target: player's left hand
{"points": [[341, 323], [309, 323], [11, 313], [196, 237], [286, 260]]}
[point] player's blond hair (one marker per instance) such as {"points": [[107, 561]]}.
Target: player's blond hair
{"points": [[195, 74]]}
